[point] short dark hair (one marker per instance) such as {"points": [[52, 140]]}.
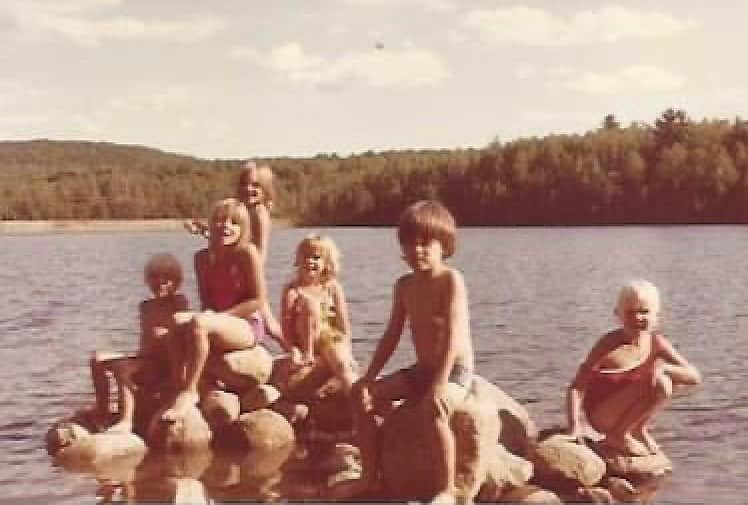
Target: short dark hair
{"points": [[428, 219]]}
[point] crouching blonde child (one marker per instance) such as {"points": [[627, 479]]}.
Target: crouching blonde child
{"points": [[314, 312], [152, 366], [628, 375], [433, 299]]}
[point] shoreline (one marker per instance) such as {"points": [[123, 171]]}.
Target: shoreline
{"points": [[100, 225]]}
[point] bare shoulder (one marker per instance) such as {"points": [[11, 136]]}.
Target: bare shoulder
{"points": [[454, 277]]}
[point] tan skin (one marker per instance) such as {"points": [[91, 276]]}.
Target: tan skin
{"points": [[157, 329], [300, 306], [624, 414], [229, 329], [433, 300]]}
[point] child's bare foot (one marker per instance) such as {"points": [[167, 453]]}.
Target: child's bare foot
{"points": [[646, 438], [121, 426], [183, 316], [627, 445], [182, 403], [446, 496]]}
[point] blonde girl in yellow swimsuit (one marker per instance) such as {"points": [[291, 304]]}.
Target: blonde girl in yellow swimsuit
{"points": [[314, 312]]}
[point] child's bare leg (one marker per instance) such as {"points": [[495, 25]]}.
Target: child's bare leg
{"points": [[175, 346], [272, 326], [307, 327], [123, 373], [612, 418], [207, 330], [445, 451], [339, 359], [661, 393]]}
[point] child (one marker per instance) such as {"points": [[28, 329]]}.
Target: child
{"points": [[163, 276], [433, 299], [231, 285], [255, 190], [628, 375], [314, 311]]}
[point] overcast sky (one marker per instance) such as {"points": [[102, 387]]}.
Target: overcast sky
{"points": [[244, 78]]}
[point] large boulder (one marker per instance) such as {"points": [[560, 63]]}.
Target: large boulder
{"points": [[408, 452], [262, 430], [562, 463], [100, 448], [220, 409], [637, 468], [299, 383], [504, 471], [241, 370], [518, 431], [531, 494], [191, 432]]}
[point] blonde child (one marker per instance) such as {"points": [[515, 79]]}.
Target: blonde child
{"points": [[255, 189], [433, 299], [628, 375], [231, 285], [151, 366], [314, 311]]}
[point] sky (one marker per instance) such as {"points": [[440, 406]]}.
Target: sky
{"points": [[243, 78]]}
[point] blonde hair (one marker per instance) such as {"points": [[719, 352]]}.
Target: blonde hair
{"points": [[329, 252], [428, 219], [238, 212], [264, 176], [638, 290], [165, 264]]}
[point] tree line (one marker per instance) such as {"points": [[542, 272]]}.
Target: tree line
{"points": [[675, 170]]}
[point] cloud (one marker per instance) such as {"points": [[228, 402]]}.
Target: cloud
{"points": [[13, 92], [90, 22], [538, 27], [405, 67], [156, 101], [437, 5], [632, 78]]}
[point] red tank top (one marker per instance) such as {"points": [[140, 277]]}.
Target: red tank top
{"points": [[226, 286]]}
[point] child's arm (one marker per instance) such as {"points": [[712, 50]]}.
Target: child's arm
{"points": [[390, 338], [456, 301], [675, 365], [261, 230], [288, 299], [202, 258], [342, 317]]}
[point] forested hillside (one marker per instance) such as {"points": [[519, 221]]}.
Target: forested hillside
{"points": [[672, 171]]}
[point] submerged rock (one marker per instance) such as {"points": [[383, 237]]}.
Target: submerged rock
{"points": [[565, 464]]}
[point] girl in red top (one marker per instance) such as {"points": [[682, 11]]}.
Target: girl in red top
{"points": [[628, 375]]}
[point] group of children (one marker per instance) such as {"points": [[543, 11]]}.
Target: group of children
{"points": [[627, 376]]}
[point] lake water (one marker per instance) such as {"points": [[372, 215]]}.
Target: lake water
{"points": [[539, 298]]}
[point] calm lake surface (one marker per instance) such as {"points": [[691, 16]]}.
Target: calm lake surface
{"points": [[539, 298]]}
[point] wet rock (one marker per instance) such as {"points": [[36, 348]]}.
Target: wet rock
{"points": [[531, 494], [565, 464], [647, 467], [220, 408], [621, 489], [408, 452], [295, 413], [259, 397], [190, 433], [504, 471], [64, 434], [262, 430], [299, 383], [241, 370], [99, 448], [518, 431], [595, 494]]}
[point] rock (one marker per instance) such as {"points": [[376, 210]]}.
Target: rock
{"points": [[299, 384], [531, 494], [262, 430], [504, 471], [190, 433], [295, 413], [408, 453], [224, 471], [187, 464], [259, 397], [331, 413], [621, 489], [339, 458], [64, 434], [595, 494], [99, 448], [220, 408], [241, 370], [560, 462], [517, 429], [647, 467]]}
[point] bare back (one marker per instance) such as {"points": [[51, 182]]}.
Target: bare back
{"points": [[432, 305], [157, 321]]}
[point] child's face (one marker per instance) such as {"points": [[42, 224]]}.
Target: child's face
{"points": [[312, 260], [226, 227], [250, 186], [637, 316], [161, 284], [423, 254]]}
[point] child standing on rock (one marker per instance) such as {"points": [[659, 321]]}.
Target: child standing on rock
{"points": [[628, 375], [432, 298], [151, 366]]}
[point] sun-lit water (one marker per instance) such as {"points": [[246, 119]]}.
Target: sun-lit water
{"points": [[539, 298]]}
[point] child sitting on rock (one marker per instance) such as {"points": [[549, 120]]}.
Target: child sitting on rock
{"points": [[432, 298], [314, 311], [628, 375], [151, 365]]}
